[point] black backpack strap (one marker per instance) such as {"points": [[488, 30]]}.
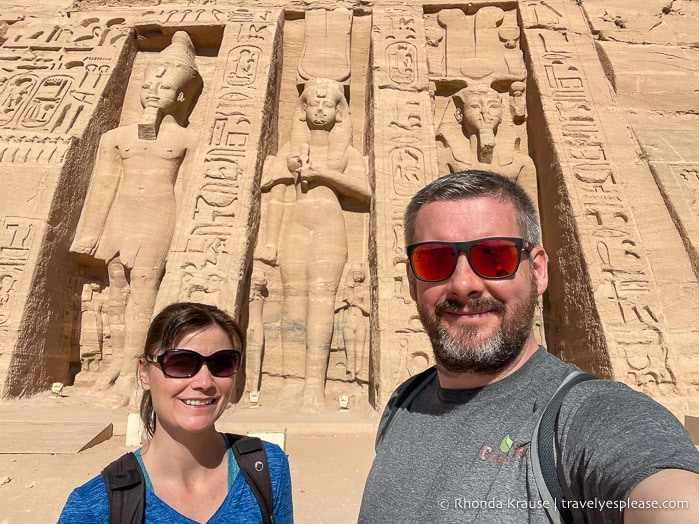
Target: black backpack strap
{"points": [[401, 398], [252, 459], [545, 450], [126, 490]]}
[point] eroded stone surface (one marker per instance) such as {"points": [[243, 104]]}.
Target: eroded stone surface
{"points": [[277, 190]]}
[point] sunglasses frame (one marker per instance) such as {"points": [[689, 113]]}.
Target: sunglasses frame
{"points": [[201, 360], [458, 247]]}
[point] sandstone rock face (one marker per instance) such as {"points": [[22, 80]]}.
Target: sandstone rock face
{"points": [[259, 156]]}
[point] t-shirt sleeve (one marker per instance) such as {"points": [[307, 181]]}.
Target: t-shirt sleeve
{"points": [[281, 484], [612, 438], [86, 504]]}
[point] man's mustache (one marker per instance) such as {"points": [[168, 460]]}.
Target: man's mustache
{"points": [[474, 305]]}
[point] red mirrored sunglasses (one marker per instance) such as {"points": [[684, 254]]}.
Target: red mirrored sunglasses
{"points": [[490, 258]]}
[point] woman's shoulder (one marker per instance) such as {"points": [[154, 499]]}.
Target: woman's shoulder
{"points": [[87, 503], [275, 454]]}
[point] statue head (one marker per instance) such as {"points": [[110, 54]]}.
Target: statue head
{"points": [[479, 111], [171, 79], [323, 103], [356, 273], [478, 107]]}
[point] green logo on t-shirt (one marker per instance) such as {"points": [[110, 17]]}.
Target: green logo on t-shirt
{"points": [[506, 444]]}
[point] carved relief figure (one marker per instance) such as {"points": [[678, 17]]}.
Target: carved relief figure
{"points": [[92, 329], [355, 315], [255, 334], [477, 141], [323, 168], [130, 211]]}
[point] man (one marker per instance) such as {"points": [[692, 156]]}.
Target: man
{"points": [[461, 451]]}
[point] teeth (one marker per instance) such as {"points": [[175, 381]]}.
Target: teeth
{"points": [[198, 402]]}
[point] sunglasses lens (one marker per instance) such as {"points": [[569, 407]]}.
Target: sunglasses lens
{"points": [[184, 363], [433, 262], [494, 258], [224, 363], [181, 364]]}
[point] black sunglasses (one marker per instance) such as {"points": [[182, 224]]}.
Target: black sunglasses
{"points": [[185, 363], [490, 258]]}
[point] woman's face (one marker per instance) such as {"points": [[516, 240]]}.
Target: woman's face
{"points": [[190, 404]]}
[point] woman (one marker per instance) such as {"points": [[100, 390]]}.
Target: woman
{"points": [[187, 374]]}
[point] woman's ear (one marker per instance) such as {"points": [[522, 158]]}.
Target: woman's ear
{"points": [[143, 374]]}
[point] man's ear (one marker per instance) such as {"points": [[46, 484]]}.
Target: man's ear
{"points": [[142, 375], [412, 281], [539, 261]]}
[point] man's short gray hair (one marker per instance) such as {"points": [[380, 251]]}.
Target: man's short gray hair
{"points": [[475, 183]]}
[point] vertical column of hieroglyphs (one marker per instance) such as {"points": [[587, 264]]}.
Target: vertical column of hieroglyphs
{"points": [[53, 73], [404, 161], [614, 279], [212, 248]]}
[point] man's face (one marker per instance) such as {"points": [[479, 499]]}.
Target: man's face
{"points": [[476, 324]]}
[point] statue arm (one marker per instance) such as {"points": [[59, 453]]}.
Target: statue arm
{"points": [[276, 170], [183, 172], [352, 183], [100, 195]]}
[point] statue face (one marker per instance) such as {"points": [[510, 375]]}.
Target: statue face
{"points": [[321, 112], [161, 86], [358, 275], [482, 111]]}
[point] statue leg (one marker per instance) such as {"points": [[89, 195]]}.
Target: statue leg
{"points": [[325, 279], [255, 343], [139, 310], [350, 332], [293, 335], [116, 308]]}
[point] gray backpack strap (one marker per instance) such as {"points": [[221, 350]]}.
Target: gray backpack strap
{"points": [[400, 399], [545, 452]]}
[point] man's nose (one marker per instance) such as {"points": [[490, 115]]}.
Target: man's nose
{"points": [[464, 282]]}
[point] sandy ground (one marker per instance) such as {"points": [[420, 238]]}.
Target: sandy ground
{"points": [[330, 455]]}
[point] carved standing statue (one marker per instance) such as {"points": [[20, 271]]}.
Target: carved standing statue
{"points": [[131, 207], [323, 168]]}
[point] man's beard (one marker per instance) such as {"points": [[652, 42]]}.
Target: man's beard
{"points": [[462, 352]]}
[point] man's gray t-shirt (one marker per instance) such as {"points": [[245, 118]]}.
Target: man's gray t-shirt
{"points": [[463, 455]]}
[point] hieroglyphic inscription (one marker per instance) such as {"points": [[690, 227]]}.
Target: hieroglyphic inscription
{"points": [[406, 162], [689, 177], [16, 238], [53, 73], [619, 267], [216, 212], [32, 148]]}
